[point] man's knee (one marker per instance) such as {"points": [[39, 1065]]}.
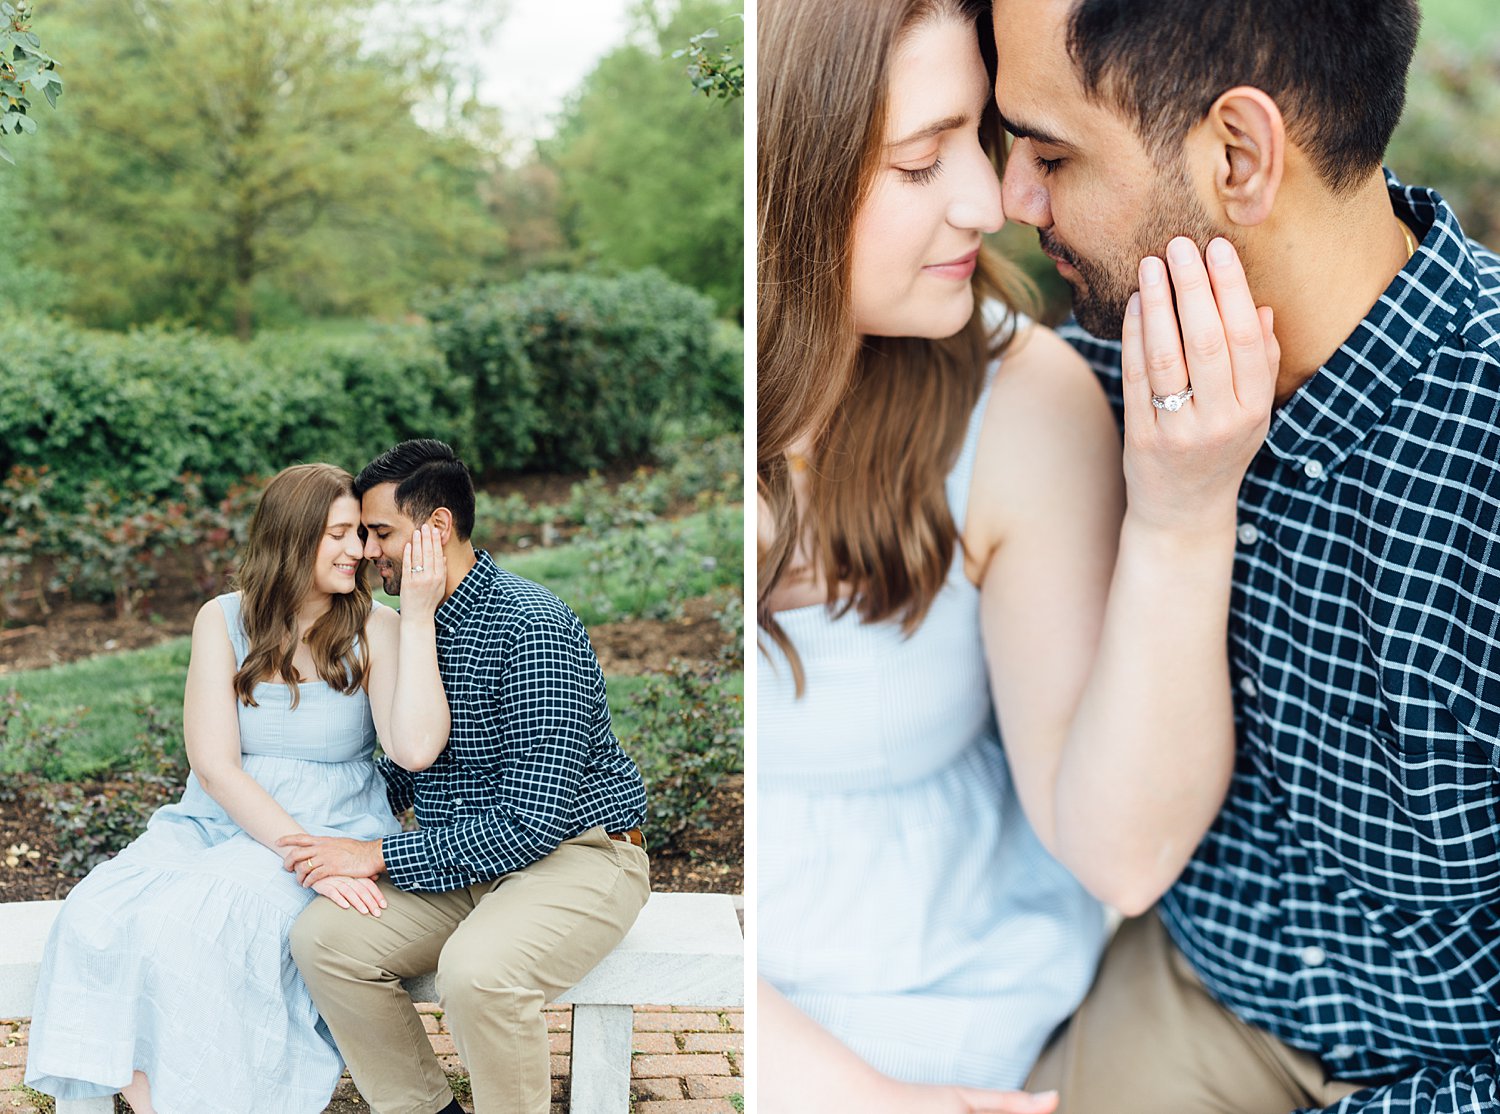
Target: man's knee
{"points": [[467, 976], [313, 932]]}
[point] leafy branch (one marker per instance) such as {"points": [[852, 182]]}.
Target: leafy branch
{"points": [[24, 66], [714, 72]]}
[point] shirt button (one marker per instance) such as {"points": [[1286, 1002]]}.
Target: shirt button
{"points": [[1249, 687], [1247, 533], [1314, 956], [458, 801], [1343, 1051], [1312, 470]]}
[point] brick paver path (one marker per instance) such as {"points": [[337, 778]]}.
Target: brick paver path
{"points": [[685, 1062]]}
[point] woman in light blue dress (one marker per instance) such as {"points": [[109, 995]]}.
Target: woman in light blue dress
{"points": [[991, 699], [168, 974]]}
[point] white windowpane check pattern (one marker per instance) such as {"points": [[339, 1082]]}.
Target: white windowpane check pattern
{"points": [[1348, 897], [531, 759]]}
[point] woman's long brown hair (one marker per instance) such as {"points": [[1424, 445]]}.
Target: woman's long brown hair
{"points": [[275, 574], [887, 415]]}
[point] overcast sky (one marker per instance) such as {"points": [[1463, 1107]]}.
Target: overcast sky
{"points": [[540, 52]]}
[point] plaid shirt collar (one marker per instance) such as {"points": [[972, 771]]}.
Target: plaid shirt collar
{"points": [[475, 585], [1422, 307]]}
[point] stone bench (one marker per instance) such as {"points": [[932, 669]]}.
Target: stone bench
{"points": [[684, 950]]}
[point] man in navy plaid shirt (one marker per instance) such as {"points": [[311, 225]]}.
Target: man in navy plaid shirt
{"points": [[528, 865], [1334, 941]]}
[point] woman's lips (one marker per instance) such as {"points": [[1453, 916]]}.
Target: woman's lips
{"points": [[960, 268]]}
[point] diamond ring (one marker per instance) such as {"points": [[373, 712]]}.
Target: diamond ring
{"points": [[419, 568], [1172, 403]]}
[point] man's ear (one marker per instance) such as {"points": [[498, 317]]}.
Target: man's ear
{"points": [[442, 521], [1245, 137]]}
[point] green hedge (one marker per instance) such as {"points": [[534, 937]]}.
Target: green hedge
{"points": [[133, 412], [574, 371], [556, 372]]}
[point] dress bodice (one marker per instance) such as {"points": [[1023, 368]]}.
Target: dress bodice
{"points": [[325, 726]]}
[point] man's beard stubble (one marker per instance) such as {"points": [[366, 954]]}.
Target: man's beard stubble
{"points": [[1104, 284]]}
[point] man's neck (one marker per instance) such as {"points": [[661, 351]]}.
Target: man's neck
{"points": [[460, 558], [1322, 266]]}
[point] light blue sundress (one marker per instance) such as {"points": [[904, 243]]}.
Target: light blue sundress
{"points": [[904, 902], [172, 957]]}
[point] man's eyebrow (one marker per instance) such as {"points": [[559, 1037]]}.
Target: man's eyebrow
{"points": [[937, 127], [1024, 131], [377, 525]]}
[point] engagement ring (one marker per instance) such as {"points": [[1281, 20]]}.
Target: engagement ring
{"points": [[1172, 403], [423, 568]]}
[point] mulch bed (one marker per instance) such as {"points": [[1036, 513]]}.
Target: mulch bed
{"points": [[79, 630], [710, 859]]}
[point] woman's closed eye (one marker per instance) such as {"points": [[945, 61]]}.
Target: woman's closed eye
{"points": [[923, 174]]}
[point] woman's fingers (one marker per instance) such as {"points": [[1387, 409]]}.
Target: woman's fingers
{"points": [[1139, 415], [1240, 327], [1198, 322], [370, 892], [1166, 370], [1008, 1102]]}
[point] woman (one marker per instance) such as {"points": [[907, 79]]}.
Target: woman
{"points": [[168, 974], [944, 548]]}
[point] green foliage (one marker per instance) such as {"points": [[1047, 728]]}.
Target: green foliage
{"points": [[577, 371], [1449, 137], [102, 412], [688, 557], [645, 569], [24, 67], [225, 160], [691, 728], [648, 176], [94, 822], [691, 471], [93, 704], [714, 72], [32, 742]]}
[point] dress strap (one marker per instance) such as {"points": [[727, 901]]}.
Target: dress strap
{"points": [[230, 603], [962, 474]]}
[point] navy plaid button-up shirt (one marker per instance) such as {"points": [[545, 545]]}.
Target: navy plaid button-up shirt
{"points": [[531, 760], [1347, 899]]}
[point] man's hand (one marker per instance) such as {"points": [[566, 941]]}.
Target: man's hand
{"points": [[314, 858], [361, 894]]}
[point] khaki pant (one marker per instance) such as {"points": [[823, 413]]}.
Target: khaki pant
{"points": [[1150, 1039], [501, 950]]}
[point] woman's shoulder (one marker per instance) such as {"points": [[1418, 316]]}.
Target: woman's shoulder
{"points": [[1042, 387], [1047, 415], [1037, 356], [382, 622], [215, 612]]}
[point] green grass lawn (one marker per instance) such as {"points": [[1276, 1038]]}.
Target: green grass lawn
{"points": [[673, 560], [630, 573], [102, 693]]}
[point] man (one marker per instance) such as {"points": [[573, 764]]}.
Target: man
{"points": [[528, 866], [1334, 941]]}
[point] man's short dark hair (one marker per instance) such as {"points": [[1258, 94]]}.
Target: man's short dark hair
{"points": [[427, 475], [1336, 68]]}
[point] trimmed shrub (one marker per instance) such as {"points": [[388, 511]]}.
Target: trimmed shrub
{"points": [[130, 414], [572, 372]]}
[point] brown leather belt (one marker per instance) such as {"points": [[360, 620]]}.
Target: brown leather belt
{"points": [[633, 836]]}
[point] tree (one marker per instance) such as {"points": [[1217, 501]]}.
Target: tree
{"points": [[24, 67], [650, 174], [229, 156]]}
